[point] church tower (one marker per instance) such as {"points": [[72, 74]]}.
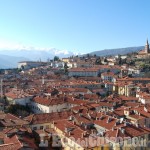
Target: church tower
{"points": [[147, 50]]}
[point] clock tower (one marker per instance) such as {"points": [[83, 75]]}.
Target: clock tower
{"points": [[147, 50]]}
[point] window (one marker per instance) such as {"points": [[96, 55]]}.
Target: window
{"points": [[102, 148], [149, 137], [47, 126], [129, 141], [34, 128]]}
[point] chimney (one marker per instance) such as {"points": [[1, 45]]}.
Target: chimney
{"points": [[73, 122], [71, 118], [123, 130], [137, 125], [53, 122], [82, 135], [92, 131], [66, 129], [109, 119], [102, 133], [48, 95], [101, 118], [85, 127], [105, 113], [80, 114], [89, 115], [69, 133], [125, 123], [85, 132], [145, 109]]}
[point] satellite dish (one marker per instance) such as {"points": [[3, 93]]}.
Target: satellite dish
{"points": [[121, 120]]}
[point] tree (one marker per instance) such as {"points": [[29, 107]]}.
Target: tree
{"points": [[102, 86], [88, 55], [108, 70], [56, 58], [147, 75], [5, 100], [22, 67], [130, 75], [19, 110], [98, 61], [48, 59], [19, 69], [66, 68], [120, 61], [94, 55], [105, 59]]}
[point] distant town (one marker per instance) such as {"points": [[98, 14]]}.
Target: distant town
{"points": [[82, 102]]}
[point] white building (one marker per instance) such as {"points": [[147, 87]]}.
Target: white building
{"points": [[108, 76], [18, 97], [57, 64], [84, 72], [48, 105], [29, 64]]}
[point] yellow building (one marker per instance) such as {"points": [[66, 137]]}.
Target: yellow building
{"points": [[74, 138], [145, 52], [66, 60]]}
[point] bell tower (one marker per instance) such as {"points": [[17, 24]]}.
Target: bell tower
{"points": [[147, 50]]}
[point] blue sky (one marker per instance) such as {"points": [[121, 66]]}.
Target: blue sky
{"points": [[74, 25]]}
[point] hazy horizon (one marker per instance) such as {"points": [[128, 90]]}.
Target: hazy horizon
{"points": [[76, 26]]}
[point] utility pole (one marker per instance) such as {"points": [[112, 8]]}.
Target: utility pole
{"points": [[43, 80], [1, 88]]}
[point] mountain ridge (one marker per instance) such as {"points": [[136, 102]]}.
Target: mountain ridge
{"points": [[8, 62], [116, 51], [10, 58]]}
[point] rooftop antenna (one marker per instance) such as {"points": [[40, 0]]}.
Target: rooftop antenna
{"points": [[1, 88], [43, 81], [147, 41]]}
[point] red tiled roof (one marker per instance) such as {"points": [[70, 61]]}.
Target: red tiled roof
{"points": [[47, 117], [106, 123], [10, 146], [9, 120], [48, 100]]}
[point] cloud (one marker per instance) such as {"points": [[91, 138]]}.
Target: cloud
{"points": [[7, 45]]}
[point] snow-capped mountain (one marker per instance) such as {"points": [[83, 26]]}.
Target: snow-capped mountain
{"points": [[11, 57], [41, 54]]}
